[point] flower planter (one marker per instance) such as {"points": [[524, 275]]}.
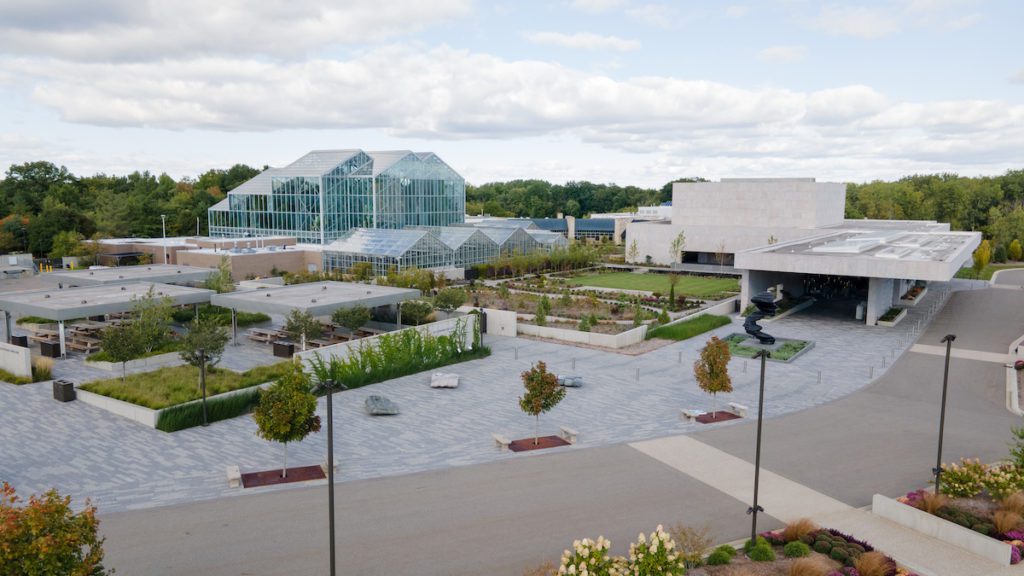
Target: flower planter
{"points": [[911, 302], [158, 361], [894, 321]]}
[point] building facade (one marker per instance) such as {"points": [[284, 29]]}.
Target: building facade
{"points": [[320, 196]]}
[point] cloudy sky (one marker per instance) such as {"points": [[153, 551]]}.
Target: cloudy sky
{"points": [[626, 91]]}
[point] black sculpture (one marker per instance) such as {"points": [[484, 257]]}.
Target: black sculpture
{"points": [[766, 306]]}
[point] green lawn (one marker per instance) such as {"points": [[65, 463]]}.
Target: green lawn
{"points": [[177, 384], [987, 272], [695, 286], [689, 328]]}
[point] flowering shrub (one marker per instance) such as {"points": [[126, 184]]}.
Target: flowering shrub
{"points": [[588, 557], [964, 480], [1002, 480], [655, 558]]}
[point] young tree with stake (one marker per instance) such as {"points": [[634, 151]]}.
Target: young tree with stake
{"points": [[286, 411], [542, 394], [712, 369], [202, 347]]}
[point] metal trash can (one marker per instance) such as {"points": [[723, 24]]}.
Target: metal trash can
{"points": [[63, 390], [50, 349], [20, 341], [284, 349]]}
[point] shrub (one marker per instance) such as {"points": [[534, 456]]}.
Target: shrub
{"points": [[42, 368], [874, 564], [727, 549], [809, 567], [823, 546], [719, 558], [217, 408], [796, 549], [762, 553], [749, 544], [797, 529], [999, 254], [693, 543], [655, 558], [930, 502], [590, 557], [1013, 502], [839, 554], [1005, 520], [963, 480], [1002, 480], [847, 539]]}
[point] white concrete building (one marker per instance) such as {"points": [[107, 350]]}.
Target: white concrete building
{"points": [[790, 233]]}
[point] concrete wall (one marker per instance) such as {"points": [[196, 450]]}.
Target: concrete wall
{"points": [[499, 322], [144, 416], [655, 238], [786, 203], [439, 328], [158, 361], [256, 264], [15, 360], [755, 281], [620, 340]]}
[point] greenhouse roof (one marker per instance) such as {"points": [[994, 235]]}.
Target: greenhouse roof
{"points": [[378, 241], [455, 236]]}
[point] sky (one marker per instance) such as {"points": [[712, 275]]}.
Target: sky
{"points": [[634, 92]]}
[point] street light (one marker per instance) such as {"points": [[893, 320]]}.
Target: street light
{"points": [[753, 510], [330, 386], [948, 340], [163, 228]]}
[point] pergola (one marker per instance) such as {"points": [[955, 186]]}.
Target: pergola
{"points": [[62, 304], [316, 298], [162, 273]]}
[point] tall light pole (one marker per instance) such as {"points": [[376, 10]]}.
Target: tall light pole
{"points": [[163, 228], [948, 340], [330, 466], [753, 510]]}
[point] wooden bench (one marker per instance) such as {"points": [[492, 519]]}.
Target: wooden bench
{"points": [[263, 336], [738, 409], [568, 434], [692, 414], [234, 477], [43, 337], [80, 346], [501, 441]]}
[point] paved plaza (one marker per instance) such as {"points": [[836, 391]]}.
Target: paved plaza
{"points": [[87, 452]]}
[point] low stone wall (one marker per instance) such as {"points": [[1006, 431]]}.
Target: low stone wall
{"points": [[15, 360], [158, 361], [141, 414], [439, 328], [723, 308], [620, 340], [940, 529]]}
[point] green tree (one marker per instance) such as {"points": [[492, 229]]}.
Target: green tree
{"points": [[67, 243], [46, 536], [1016, 251], [540, 317], [673, 279], [566, 299], [712, 369], [542, 394], [203, 346], [121, 344], [999, 254], [982, 255], [286, 411], [220, 281], [151, 320], [416, 311], [677, 247], [362, 271], [352, 318], [449, 299], [633, 251], [302, 325]]}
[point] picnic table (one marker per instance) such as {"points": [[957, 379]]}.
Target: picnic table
{"points": [[319, 343], [265, 335]]}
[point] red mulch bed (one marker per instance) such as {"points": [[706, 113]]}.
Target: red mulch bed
{"points": [[543, 442], [270, 477], [713, 417]]}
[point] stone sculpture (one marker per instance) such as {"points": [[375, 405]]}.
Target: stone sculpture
{"points": [[766, 306], [380, 406]]}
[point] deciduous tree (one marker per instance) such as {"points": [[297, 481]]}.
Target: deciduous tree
{"points": [[352, 318], [121, 344], [712, 369], [302, 325], [449, 299], [982, 255], [203, 346], [286, 411], [542, 394]]}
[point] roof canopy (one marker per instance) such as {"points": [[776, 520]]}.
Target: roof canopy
{"points": [[316, 298], [72, 303], [378, 241], [163, 273]]}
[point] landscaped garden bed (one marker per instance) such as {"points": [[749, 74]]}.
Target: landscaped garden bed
{"points": [[689, 328], [892, 316], [913, 295], [787, 350], [704, 287], [222, 316], [556, 287]]}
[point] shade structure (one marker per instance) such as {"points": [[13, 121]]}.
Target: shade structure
{"points": [[73, 303], [316, 298], [159, 273]]}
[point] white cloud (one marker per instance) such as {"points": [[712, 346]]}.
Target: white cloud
{"points": [[782, 54], [657, 15], [1018, 78], [583, 40], [132, 30], [856, 21], [596, 5], [737, 11]]}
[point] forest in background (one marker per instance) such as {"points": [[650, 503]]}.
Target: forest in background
{"points": [[47, 210]]}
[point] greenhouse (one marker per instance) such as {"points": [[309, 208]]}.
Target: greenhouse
{"points": [[325, 193], [470, 246], [512, 240], [549, 240], [387, 249]]}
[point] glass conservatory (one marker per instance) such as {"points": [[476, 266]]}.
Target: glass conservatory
{"points": [[386, 250], [469, 246], [511, 241], [325, 193]]}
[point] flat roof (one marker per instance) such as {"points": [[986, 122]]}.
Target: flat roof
{"points": [[162, 273], [317, 298], [84, 301]]}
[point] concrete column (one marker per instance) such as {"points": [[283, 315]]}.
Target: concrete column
{"points": [[570, 224], [753, 282], [7, 325], [398, 322], [880, 299], [60, 335]]}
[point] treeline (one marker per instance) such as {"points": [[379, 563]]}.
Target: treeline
{"points": [[45, 209], [542, 199], [992, 205]]}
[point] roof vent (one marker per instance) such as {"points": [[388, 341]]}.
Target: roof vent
{"points": [[120, 276], [149, 267], [90, 272], [313, 300], [123, 288], [324, 287], [84, 302], [268, 294], [46, 295]]}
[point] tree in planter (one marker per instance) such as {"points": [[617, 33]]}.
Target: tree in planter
{"points": [[121, 344], [712, 369], [542, 394], [303, 326], [352, 318], [46, 536], [720, 254], [202, 346], [286, 411], [151, 320], [416, 311], [449, 299]]}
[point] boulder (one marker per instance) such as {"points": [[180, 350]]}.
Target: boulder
{"points": [[380, 406], [571, 381], [444, 380]]}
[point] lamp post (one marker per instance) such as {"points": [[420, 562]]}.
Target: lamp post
{"points": [[163, 228], [948, 340], [330, 467], [753, 510]]}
